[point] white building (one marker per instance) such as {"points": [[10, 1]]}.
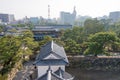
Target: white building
{"points": [[51, 63], [11, 18], [6, 18]]}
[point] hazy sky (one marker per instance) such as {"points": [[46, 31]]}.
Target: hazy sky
{"points": [[22, 8]]}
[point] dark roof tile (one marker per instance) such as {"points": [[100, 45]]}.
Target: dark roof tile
{"points": [[52, 48]]}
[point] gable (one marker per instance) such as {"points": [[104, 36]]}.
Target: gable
{"points": [[51, 56]]}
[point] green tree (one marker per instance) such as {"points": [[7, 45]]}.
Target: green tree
{"points": [[101, 42], [59, 41], [71, 47], [75, 34], [92, 26], [2, 28], [28, 45], [45, 40], [9, 47], [116, 28], [14, 48]]}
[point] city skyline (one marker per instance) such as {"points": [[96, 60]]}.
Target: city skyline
{"points": [[37, 8]]}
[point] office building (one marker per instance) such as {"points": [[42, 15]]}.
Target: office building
{"points": [[34, 20], [68, 18], [6, 18], [48, 30], [115, 16], [11, 18]]}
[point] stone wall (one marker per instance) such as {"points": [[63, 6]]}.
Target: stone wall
{"points": [[95, 63]]}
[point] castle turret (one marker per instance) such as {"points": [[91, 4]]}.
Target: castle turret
{"points": [[51, 63]]}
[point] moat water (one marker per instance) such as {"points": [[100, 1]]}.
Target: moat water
{"points": [[94, 74]]}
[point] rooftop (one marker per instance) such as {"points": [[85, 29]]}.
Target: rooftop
{"points": [[51, 54], [58, 75]]}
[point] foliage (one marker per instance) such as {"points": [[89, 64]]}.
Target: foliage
{"points": [[90, 39], [9, 47], [30, 25], [14, 48], [58, 41], [2, 28], [22, 25], [19, 25], [81, 35], [72, 47], [94, 48], [28, 44], [92, 26], [75, 34], [61, 33], [3, 77], [116, 28], [101, 42], [45, 40]]}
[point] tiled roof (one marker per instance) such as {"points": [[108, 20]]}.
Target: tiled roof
{"points": [[58, 27], [53, 77], [51, 62], [58, 75], [63, 74], [58, 55], [44, 29]]}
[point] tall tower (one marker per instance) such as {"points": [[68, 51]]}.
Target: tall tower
{"points": [[48, 11], [74, 11]]}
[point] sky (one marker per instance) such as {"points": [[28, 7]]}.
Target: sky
{"points": [[37, 8]]}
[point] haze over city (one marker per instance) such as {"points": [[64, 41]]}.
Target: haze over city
{"points": [[93, 8]]}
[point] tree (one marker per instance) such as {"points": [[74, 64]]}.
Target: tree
{"points": [[116, 28], [101, 42], [58, 41], [14, 48], [30, 25], [9, 47], [2, 28], [92, 26], [28, 45], [76, 34], [45, 40], [72, 47], [106, 23]]}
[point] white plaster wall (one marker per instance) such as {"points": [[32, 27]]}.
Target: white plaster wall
{"points": [[43, 69]]}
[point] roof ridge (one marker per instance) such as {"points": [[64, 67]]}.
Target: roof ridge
{"points": [[52, 45], [57, 76], [49, 73]]}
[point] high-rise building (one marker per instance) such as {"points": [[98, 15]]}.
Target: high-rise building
{"points": [[68, 18], [114, 16], [34, 20], [6, 18], [11, 18]]}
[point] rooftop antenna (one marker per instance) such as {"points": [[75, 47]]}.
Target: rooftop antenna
{"points": [[48, 11]]}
